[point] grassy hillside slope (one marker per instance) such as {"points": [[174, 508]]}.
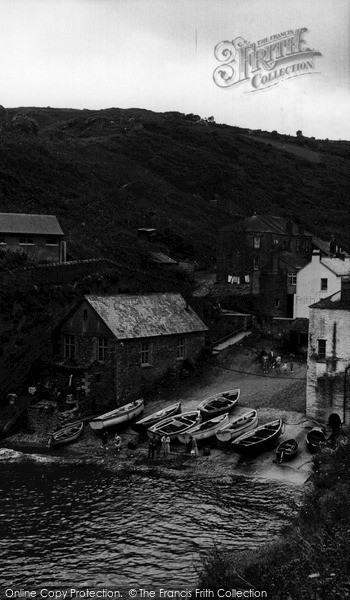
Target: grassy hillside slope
{"points": [[106, 173]]}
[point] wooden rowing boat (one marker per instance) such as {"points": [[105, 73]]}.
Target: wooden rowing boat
{"points": [[260, 439], [286, 450], [314, 439], [238, 426], [118, 416], [169, 411], [66, 435], [174, 426], [204, 430], [218, 404]]}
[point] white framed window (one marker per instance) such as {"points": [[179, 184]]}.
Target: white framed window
{"points": [[180, 350], [324, 284], [145, 354], [69, 346], [26, 240], [256, 241], [102, 349], [292, 278]]}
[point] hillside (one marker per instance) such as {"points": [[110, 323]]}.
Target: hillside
{"points": [[105, 173]]}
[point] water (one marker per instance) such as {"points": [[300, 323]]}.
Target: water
{"points": [[82, 525]]}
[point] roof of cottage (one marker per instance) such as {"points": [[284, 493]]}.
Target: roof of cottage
{"points": [[272, 224], [337, 265], [333, 302], [160, 257], [140, 316], [29, 224]]}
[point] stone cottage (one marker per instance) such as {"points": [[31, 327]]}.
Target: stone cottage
{"points": [[328, 374], [38, 236], [118, 346]]}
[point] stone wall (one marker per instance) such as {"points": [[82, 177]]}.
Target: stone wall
{"points": [[38, 250], [134, 379], [327, 392]]}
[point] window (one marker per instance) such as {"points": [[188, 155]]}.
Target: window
{"points": [[69, 346], [277, 303], [256, 241], [26, 240], [145, 354], [102, 349], [51, 240], [322, 348], [324, 284], [85, 314], [256, 263], [2, 239], [292, 278], [180, 351]]}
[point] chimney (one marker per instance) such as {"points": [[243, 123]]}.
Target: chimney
{"points": [[345, 290], [332, 246], [316, 256]]}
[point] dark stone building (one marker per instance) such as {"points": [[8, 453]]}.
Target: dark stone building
{"points": [[38, 236], [117, 347], [267, 251]]}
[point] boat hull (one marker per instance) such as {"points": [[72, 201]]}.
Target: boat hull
{"points": [[66, 435], [247, 422], [219, 404], [170, 411], [314, 439], [287, 450], [119, 416], [259, 440], [204, 430], [174, 426]]}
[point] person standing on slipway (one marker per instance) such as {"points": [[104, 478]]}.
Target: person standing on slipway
{"points": [[104, 440]]}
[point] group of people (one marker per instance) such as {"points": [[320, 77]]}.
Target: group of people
{"points": [[158, 444], [117, 441], [270, 360]]}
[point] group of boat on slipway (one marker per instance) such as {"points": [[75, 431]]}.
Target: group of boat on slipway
{"points": [[213, 418]]}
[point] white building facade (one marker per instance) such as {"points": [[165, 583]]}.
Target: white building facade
{"points": [[319, 279], [328, 373]]}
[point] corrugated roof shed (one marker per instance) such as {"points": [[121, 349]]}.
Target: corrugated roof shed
{"points": [[147, 315], [29, 224]]}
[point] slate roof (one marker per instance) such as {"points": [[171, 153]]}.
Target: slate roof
{"points": [[337, 265], [29, 224], [325, 246], [141, 316], [160, 257], [272, 224], [333, 302]]}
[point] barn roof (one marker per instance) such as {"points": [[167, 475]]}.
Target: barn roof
{"points": [[139, 316], [29, 224]]}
